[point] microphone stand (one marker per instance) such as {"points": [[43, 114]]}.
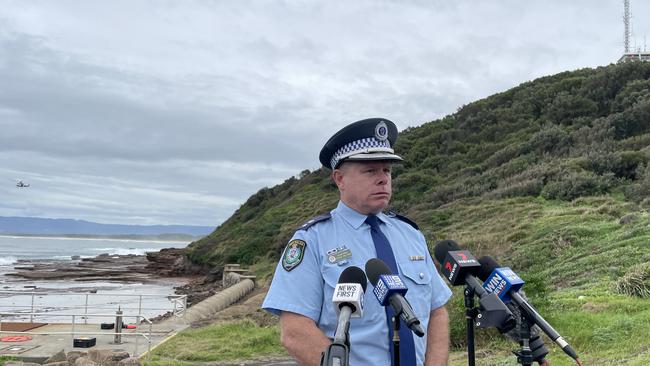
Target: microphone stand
{"points": [[470, 315], [396, 325], [490, 313], [524, 354], [338, 353]]}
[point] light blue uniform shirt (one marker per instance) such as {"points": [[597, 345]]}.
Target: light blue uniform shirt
{"points": [[307, 289]]}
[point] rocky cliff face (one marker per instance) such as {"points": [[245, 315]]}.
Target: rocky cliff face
{"points": [[173, 262], [170, 262]]}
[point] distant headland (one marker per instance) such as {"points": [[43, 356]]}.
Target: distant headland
{"points": [[70, 228]]}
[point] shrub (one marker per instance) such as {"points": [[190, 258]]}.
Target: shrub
{"points": [[634, 92], [599, 133], [574, 184], [504, 155], [550, 139], [603, 85], [637, 192], [511, 188], [567, 106], [631, 122], [601, 162], [636, 282], [629, 163], [515, 166]]}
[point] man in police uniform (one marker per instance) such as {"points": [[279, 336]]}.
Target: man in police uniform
{"points": [[360, 156]]}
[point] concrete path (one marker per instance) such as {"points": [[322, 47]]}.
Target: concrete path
{"points": [[52, 338]]}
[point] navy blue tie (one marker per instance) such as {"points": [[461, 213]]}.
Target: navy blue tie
{"points": [[385, 253]]}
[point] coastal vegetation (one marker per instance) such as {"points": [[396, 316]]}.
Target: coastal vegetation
{"points": [[229, 341], [551, 177]]}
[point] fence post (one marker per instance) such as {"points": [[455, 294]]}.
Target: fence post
{"points": [[140, 305], [137, 335], [86, 311], [31, 312], [73, 321], [118, 327]]}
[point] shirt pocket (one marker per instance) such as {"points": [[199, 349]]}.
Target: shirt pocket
{"points": [[373, 312], [417, 278], [416, 272]]}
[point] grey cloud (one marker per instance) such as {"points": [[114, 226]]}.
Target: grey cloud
{"points": [[170, 113]]}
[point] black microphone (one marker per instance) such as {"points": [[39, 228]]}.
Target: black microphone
{"points": [[389, 289], [460, 268], [500, 278], [348, 302]]}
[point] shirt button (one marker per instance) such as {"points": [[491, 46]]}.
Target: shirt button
{"points": [[421, 275]]}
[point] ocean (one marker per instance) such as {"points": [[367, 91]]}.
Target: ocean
{"points": [[57, 300]]}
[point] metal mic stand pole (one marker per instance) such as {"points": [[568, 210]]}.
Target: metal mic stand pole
{"points": [[338, 353], [396, 322], [525, 354], [470, 315]]}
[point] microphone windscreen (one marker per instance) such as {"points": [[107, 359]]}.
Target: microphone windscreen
{"points": [[354, 274], [488, 264], [443, 247], [375, 267]]}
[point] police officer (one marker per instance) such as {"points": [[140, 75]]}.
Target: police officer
{"points": [[360, 156]]}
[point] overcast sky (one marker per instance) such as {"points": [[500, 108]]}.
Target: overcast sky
{"points": [[175, 112]]}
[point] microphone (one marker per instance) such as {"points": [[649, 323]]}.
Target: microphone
{"points": [[348, 299], [460, 268], [389, 289], [348, 302], [504, 282]]}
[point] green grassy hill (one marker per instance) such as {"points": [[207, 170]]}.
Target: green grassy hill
{"points": [[550, 177]]}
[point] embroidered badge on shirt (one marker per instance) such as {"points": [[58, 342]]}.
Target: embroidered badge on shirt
{"points": [[339, 255], [416, 257], [293, 254]]}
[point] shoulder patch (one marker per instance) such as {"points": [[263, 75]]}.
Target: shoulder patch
{"points": [[314, 221], [404, 218], [293, 254]]}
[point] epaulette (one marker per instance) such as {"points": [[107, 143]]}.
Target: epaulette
{"points": [[315, 220], [403, 218]]}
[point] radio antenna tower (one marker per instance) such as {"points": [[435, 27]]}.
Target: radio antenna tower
{"points": [[626, 21], [629, 54]]}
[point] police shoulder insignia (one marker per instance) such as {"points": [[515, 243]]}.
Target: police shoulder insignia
{"points": [[314, 221], [293, 254], [404, 219]]}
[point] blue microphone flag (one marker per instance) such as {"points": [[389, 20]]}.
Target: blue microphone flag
{"points": [[388, 285], [501, 281]]}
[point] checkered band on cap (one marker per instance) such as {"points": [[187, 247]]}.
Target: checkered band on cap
{"points": [[363, 146]]}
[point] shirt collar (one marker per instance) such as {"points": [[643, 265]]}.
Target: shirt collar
{"points": [[354, 218]]}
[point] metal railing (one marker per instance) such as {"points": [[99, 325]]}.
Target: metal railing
{"points": [[177, 307], [73, 333]]}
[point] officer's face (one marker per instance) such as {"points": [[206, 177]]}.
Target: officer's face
{"points": [[365, 186]]}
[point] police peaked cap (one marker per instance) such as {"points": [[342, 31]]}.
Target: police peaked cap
{"points": [[368, 139]]}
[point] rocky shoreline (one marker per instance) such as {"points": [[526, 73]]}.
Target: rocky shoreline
{"points": [[197, 281]]}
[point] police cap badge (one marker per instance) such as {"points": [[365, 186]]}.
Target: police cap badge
{"points": [[368, 139]]}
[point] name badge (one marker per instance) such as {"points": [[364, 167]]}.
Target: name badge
{"points": [[339, 255]]}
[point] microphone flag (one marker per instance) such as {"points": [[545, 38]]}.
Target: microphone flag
{"points": [[502, 280], [348, 294], [386, 286], [457, 264]]}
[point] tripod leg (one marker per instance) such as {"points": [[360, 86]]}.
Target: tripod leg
{"points": [[470, 314]]}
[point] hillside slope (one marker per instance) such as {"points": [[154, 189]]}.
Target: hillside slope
{"points": [[574, 134], [550, 177]]}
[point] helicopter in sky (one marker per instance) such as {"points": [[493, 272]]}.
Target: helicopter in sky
{"points": [[21, 184]]}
